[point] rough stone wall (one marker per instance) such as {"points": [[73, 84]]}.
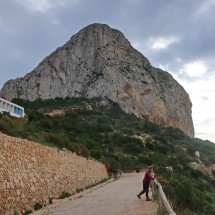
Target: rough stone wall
{"points": [[30, 173]]}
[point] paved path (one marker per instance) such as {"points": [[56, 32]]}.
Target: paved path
{"points": [[116, 198]]}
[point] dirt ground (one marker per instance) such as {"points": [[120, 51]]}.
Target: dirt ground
{"points": [[116, 198]]}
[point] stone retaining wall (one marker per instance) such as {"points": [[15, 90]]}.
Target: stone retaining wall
{"points": [[31, 173]]}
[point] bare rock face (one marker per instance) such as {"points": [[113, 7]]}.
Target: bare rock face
{"points": [[100, 62]]}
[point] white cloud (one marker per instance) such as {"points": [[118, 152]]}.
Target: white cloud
{"points": [[43, 6], [204, 7], [201, 92], [196, 69], [139, 45], [178, 59], [201, 89], [36, 5], [1, 22], [206, 136], [162, 42], [163, 67], [55, 22], [136, 45]]}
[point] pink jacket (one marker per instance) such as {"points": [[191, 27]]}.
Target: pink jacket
{"points": [[148, 177]]}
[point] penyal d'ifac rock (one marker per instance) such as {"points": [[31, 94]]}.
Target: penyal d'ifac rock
{"points": [[99, 61]]}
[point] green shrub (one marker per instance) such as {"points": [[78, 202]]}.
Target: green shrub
{"points": [[159, 158], [50, 200], [145, 160], [196, 173], [152, 128], [111, 164], [125, 163], [35, 115], [38, 206], [189, 196], [56, 140], [46, 124], [78, 190], [118, 139], [28, 212], [79, 149], [96, 153], [132, 148], [15, 212], [161, 138], [6, 127], [175, 133], [150, 145], [162, 149], [64, 195], [173, 161]]}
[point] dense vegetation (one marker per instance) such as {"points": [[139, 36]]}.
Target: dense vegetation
{"points": [[104, 132]]}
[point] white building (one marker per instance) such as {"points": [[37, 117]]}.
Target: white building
{"points": [[13, 109]]}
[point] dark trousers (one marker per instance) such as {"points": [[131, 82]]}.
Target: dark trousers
{"points": [[145, 189]]}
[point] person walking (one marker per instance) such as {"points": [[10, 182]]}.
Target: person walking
{"points": [[146, 182]]}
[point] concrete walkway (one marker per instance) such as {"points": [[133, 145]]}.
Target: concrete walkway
{"points": [[116, 198]]}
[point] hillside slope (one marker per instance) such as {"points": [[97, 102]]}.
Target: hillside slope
{"points": [[101, 130]]}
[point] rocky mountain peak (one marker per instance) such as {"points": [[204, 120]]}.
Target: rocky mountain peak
{"points": [[99, 61], [98, 35]]}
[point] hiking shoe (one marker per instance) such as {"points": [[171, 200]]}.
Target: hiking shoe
{"points": [[148, 200], [138, 196]]}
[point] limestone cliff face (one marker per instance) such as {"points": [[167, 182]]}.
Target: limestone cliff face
{"points": [[100, 62]]}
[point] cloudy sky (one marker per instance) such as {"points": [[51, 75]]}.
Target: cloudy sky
{"points": [[175, 35]]}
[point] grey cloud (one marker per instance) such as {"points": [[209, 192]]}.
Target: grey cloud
{"points": [[27, 37]]}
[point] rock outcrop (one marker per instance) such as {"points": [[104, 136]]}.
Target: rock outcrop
{"points": [[100, 62]]}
